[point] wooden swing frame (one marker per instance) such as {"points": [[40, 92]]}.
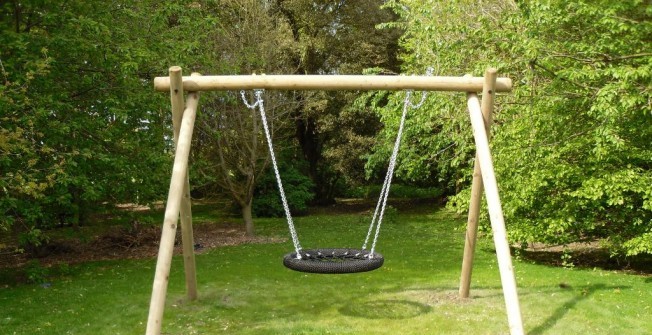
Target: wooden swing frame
{"points": [[178, 207]]}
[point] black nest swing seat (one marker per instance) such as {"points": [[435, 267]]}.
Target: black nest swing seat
{"points": [[333, 261]]}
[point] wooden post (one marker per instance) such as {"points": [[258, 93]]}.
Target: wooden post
{"points": [[496, 216], [488, 93], [172, 209], [188, 242]]}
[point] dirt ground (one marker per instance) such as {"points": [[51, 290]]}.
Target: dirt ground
{"points": [[140, 241], [134, 242]]}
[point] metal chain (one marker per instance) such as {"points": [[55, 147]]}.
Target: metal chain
{"points": [[424, 94], [376, 211], [259, 102], [384, 193]]}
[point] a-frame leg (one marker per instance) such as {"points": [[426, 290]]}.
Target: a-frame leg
{"points": [[172, 210], [507, 277], [188, 242], [488, 94]]}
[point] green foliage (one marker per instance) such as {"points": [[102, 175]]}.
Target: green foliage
{"points": [[298, 191], [584, 170], [35, 272], [79, 122], [232, 153], [350, 129], [571, 142], [432, 150], [81, 127], [336, 37], [32, 239], [567, 259]]}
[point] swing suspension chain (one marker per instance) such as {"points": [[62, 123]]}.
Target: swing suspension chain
{"points": [[379, 212], [259, 103]]}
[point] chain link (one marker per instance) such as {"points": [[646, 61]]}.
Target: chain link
{"points": [[261, 107], [384, 193]]}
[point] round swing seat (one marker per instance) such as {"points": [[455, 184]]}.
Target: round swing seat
{"points": [[341, 260]]}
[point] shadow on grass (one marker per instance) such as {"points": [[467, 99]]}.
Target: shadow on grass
{"points": [[385, 309], [404, 303], [449, 296], [560, 312]]}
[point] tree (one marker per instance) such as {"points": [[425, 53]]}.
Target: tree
{"points": [[80, 123], [437, 147], [232, 153], [586, 163], [335, 37], [571, 144]]}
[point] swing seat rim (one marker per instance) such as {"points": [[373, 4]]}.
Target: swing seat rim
{"points": [[333, 260]]}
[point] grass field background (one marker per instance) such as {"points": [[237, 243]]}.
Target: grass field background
{"points": [[246, 290]]}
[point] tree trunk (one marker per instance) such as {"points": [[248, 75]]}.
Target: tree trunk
{"points": [[76, 207], [248, 219], [306, 134]]}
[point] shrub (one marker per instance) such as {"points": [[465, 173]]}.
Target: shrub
{"points": [[298, 190], [35, 272]]}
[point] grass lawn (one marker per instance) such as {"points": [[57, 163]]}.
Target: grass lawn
{"points": [[246, 290]]}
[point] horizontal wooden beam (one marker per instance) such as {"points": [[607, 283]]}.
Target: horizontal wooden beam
{"points": [[332, 82]]}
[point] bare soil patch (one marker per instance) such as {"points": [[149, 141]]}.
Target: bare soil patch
{"points": [[134, 242]]}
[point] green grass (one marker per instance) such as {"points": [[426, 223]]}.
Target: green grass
{"points": [[246, 290]]}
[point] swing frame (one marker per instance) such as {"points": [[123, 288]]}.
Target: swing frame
{"points": [[178, 206]]}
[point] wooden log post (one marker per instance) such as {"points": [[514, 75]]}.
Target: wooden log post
{"points": [[488, 93], [172, 210], [188, 242], [503, 255]]}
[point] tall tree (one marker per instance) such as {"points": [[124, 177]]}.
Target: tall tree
{"points": [[571, 143], [232, 153], [334, 37], [81, 124]]}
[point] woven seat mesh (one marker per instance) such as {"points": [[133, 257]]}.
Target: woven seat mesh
{"points": [[339, 260]]}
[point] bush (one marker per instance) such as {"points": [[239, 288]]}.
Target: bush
{"points": [[298, 190], [35, 272], [32, 241]]}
